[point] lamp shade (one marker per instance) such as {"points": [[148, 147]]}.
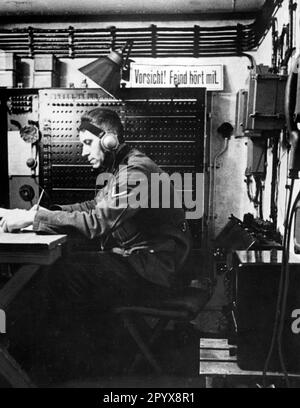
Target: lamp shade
{"points": [[105, 72]]}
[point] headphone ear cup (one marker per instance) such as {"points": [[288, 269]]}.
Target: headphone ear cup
{"points": [[109, 142]]}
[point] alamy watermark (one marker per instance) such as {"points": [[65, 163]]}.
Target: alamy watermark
{"points": [[2, 322], [137, 189]]}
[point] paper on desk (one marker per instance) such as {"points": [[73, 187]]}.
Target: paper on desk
{"points": [[29, 228]]}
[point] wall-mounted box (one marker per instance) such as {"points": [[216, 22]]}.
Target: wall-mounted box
{"points": [[9, 69], [46, 62], [8, 78], [256, 156], [8, 61], [265, 108], [45, 79]]}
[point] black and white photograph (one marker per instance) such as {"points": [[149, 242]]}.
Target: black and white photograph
{"points": [[149, 197]]}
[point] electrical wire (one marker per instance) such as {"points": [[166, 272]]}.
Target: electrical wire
{"points": [[258, 176], [257, 197], [280, 287], [281, 156], [287, 172], [286, 270], [261, 189], [253, 197]]}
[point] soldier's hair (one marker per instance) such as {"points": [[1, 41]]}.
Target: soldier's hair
{"points": [[105, 117]]}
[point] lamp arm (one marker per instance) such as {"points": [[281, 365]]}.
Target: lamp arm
{"points": [[129, 44]]}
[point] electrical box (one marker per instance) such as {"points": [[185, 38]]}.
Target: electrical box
{"points": [[256, 152], [257, 277], [8, 61], [45, 79], [46, 62], [46, 71], [265, 107], [9, 69], [22, 110]]}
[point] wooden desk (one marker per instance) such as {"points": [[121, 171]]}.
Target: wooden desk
{"points": [[31, 251]]}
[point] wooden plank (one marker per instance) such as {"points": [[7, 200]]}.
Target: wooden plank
{"points": [[36, 257], [215, 360], [228, 368], [31, 238], [216, 355], [214, 343]]}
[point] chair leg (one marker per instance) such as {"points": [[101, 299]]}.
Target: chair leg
{"points": [[141, 344], [156, 332]]}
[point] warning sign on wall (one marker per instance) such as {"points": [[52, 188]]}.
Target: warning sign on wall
{"points": [[168, 76]]}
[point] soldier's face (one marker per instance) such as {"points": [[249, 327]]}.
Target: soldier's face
{"points": [[91, 147]]}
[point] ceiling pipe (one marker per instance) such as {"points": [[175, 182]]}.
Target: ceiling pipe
{"points": [[121, 7]]}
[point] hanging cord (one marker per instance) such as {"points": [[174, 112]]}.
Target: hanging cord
{"points": [[257, 197], [280, 289], [287, 172], [274, 180], [281, 156], [260, 203], [258, 176], [253, 197]]}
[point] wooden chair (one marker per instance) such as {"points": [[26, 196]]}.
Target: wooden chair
{"points": [[182, 307]]}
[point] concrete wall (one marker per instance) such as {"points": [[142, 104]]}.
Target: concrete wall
{"points": [[261, 56], [228, 189], [231, 190]]}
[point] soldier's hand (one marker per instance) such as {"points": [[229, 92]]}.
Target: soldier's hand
{"points": [[16, 219]]}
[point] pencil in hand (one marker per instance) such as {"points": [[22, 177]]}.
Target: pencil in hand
{"points": [[39, 200]]}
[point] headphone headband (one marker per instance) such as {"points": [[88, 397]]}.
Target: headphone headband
{"points": [[86, 125]]}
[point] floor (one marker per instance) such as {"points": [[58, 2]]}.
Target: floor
{"points": [[137, 382], [81, 359], [72, 360]]}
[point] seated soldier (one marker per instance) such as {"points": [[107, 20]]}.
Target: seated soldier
{"points": [[140, 248]]}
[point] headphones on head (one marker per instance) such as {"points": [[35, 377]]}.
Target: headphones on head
{"points": [[108, 140]]}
